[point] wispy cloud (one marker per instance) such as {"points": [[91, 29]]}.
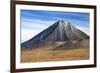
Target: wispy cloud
{"points": [[30, 23], [30, 28]]}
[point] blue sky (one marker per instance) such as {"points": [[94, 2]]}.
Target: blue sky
{"points": [[33, 22]]}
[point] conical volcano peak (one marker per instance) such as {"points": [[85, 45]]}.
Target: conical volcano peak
{"points": [[61, 22], [64, 24], [60, 31]]}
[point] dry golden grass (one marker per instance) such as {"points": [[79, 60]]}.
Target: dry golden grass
{"points": [[41, 55]]}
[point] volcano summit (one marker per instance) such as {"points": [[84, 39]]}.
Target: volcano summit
{"points": [[60, 33]]}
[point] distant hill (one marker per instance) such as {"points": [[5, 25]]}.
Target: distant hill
{"points": [[60, 33]]}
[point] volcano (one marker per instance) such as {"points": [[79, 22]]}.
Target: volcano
{"points": [[60, 33]]}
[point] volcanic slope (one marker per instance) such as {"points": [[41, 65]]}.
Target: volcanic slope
{"points": [[60, 33]]}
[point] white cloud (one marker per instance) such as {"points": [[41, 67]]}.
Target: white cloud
{"points": [[26, 34], [32, 22]]}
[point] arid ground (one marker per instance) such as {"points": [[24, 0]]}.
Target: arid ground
{"points": [[61, 53], [40, 55]]}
